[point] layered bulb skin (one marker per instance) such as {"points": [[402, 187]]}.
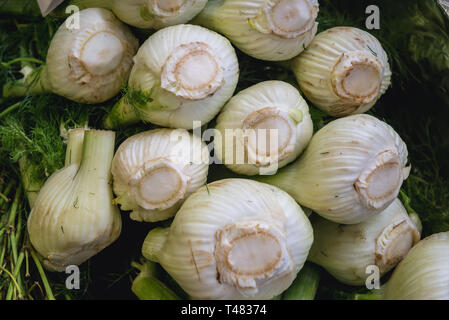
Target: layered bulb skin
{"points": [[424, 273], [73, 217], [156, 170], [182, 77], [273, 30], [251, 247], [88, 64], [348, 252], [149, 14], [263, 128], [344, 71], [352, 169]]}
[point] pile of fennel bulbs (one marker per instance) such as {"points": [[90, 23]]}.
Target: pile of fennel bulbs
{"points": [[232, 238]]}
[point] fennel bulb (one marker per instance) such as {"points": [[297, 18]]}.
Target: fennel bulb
{"points": [[252, 116], [73, 217], [344, 71], [146, 286], [148, 14], [233, 239], [88, 64], [424, 273], [154, 172], [272, 30], [182, 74], [351, 170], [346, 251]]}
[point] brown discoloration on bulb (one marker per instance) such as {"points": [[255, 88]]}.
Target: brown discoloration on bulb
{"points": [[353, 64], [203, 259], [193, 261], [393, 244], [379, 176]]}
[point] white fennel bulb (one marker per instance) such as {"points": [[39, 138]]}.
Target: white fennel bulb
{"points": [[148, 14], [344, 71], [73, 217], [263, 127], [154, 172], [233, 239], [273, 30], [182, 74], [88, 64], [346, 251], [424, 273], [351, 170]]}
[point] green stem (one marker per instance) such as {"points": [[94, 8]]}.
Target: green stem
{"points": [[12, 279], [122, 114], [21, 59], [27, 264], [30, 186], [14, 206], [43, 276], [414, 216], [10, 109], [97, 154], [16, 274], [6, 192], [154, 242], [147, 287], [2, 255], [3, 197], [32, 84], [13, 246], [75, 143], [305, 285]]}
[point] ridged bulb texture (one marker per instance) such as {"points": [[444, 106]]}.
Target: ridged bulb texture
{"points": [[263, 128], [348, 252], [424, 273], [155, 14], [190, 73], [235, 239], [344, 71], [90, 64], [351, 170], [156, 170], [273, 30], [73, 217]]}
